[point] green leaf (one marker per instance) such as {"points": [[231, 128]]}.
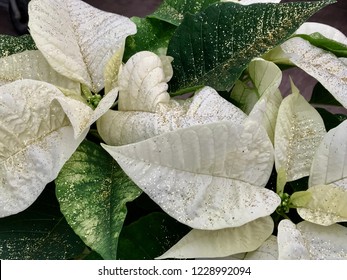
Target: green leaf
{"points": [[149, 237], [214, 47], [300, 199], [11, 44], [40, 232], [152, 35], [173, 11], [93, 191], [320, 41]]}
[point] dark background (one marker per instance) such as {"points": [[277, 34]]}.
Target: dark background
{"points": [[334, 15]]}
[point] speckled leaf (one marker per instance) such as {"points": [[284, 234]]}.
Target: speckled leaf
{"points": [[77, 39], [327, 205], [324, 66], [32, 65], [214, 47], [152, 35], [329, 164], [206, 176], [39, 233], [15, 44], [223, 242], [36, 139], [173, 11], [206, 106], [93, 191], [298, 133], [310, 241], [149, 237]]}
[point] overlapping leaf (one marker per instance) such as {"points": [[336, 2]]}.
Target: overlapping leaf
{"points": [[36, 140], [32, 65], [76, 39], [223, 242], [298, 133], [329, 164], [310, 241], [206, 176], [214, 47], [324, 66], [92, 191], [145, 107]]}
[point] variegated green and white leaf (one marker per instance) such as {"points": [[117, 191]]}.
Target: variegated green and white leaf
{"points": [[327, 205], [36, 139], [298, 133], [112, 70], [206, 106], [327, 31], [311, 241], [266, 78], [32, 65], [324, 66], [329, 164], [221, 243], [77, 39], [206, 176], [143, 83]]}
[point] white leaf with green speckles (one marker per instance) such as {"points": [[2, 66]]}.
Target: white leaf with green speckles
{"points": [[208, 176], [327, 205], [32, 65], [93, 191], [329, 164], [324, 66], [77, 39], [36, 139], [223, 242], [298, 133], [310, 241]]}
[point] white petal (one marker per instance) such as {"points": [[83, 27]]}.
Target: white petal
{"points": [[328, 205], [299, 131], [310, 241], [330, 161], [36, 140], [143, 83], [291, 243], [208, 176], [324, 66], [223, 242], [77, 39], [206, 106], [267, 251], [32, 65]]}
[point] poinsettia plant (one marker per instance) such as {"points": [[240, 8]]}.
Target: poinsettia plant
{"points": [[168, 137]]}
